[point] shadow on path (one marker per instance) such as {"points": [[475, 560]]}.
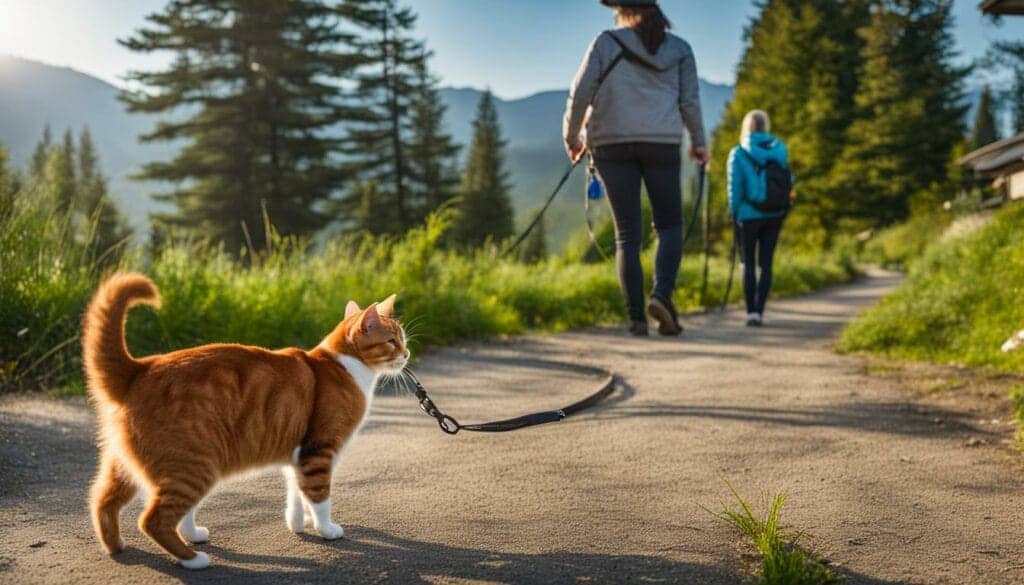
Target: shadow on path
{"points": [[368, 555]]}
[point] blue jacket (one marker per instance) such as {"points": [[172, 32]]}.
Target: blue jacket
{"points": [[746, 184]]}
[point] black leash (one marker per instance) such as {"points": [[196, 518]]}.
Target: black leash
{"points": [[540, 214], [452, 426]]}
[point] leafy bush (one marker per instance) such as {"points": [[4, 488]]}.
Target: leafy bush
{"points": [[958, 304], [45, 280], [898, 246]]}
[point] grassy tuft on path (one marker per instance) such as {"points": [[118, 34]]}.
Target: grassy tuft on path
{"points": [[783, 561]]}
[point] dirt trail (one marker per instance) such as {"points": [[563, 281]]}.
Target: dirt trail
{"points": [[889, 494]]}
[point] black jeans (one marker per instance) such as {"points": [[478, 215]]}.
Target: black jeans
{"points": [[621, 168], [758, 238]]}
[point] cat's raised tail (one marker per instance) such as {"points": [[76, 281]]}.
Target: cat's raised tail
{"points": [[109, 367]]}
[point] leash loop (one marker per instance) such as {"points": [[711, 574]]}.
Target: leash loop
{"points": [[451, 426], [447, 423]]}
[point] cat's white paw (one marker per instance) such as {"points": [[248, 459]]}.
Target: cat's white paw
{"points": [[295, 519], [330, 531], [197, 535], [200, 561]]}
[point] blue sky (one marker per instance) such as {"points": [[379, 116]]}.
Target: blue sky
{"points": [[515, 47]]}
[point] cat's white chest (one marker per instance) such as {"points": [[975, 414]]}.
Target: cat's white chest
{"points": [[365, 378]]}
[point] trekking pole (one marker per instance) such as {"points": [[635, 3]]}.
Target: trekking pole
{"points": [[732, 266], [707, 233]]}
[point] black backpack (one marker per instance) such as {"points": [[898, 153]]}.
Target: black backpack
{"points": [[778, 184]]}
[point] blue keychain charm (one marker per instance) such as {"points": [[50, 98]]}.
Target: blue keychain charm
{"points": [[595, 190]]}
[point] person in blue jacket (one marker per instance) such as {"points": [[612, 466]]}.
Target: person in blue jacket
{"points": [[757, 231]]}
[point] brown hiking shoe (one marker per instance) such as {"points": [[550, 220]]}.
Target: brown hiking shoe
{"points": [[662, 311]]}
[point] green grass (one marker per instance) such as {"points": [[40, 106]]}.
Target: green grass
{"points": [[898, 246], [294, 296], [783, 561], [959, 303]]}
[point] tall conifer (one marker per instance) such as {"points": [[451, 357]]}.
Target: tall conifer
{"points": [[254, 94], [398, 143], [800, 66], [985, 130], [485, 207], [910, 111]]}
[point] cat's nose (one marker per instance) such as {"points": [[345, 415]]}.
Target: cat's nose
{"points": [[407, 354]]}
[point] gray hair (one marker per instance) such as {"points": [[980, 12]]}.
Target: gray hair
{"points": [[754, 121]]}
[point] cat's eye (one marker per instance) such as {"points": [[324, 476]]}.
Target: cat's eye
{"points": [[393, 343]]}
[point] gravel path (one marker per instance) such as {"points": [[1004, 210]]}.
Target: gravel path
{"points": [[617, 494]]}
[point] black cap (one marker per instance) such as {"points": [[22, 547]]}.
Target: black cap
{"points": [[630, 2]]}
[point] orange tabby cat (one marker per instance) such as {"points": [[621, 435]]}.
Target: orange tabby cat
{"points": [[177, 423]]}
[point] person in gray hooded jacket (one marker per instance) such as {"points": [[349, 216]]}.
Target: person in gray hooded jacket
{"points": [[634, 93]]}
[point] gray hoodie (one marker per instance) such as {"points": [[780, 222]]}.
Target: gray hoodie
{"points": [[635, 103]]}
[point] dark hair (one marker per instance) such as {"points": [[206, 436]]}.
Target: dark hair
{"points": [[648, 21]]}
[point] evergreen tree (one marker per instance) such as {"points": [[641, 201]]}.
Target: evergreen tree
{"points": [[104, 227], [535, 247], [69, 200], [1017, 100], [910, 111], [41, 153], [1009, 55], [88, 160], [389, 84], [8, 185], [985, 130], [800, 66], [485, 210], [260, 80], [58, 181], [432, 152]]}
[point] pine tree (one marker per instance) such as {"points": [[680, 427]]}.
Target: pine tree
{"points": [[985, 130], [909, 112], [104, 227], [1017, 100], [261, 80], [67, 165], [58, 181], [1009, 56], [432, 152], [389, 85], [88, 160], [485, 210], [8, 185], [41, 153], [806, 83]]}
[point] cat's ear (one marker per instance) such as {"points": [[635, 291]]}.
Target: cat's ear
{"points": [[370, 319], [351, 309], [385, 307]]}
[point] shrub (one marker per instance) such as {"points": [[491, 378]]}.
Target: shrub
{"points": [[958, 304]]}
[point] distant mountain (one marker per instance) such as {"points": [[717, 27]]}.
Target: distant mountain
{"points": [[536, 120], [33, 94]]}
